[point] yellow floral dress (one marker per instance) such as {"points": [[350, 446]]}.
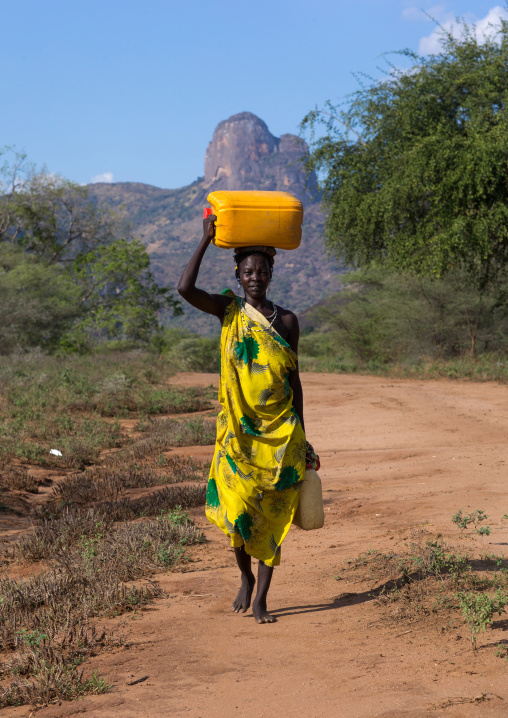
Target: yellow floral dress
{"points": [[259, 461]]}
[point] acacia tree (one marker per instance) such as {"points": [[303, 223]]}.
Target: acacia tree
{"points": [[415, 167], [97, 273]]}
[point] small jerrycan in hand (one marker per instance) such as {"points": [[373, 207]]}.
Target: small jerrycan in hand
{"points": [[310, 513]]}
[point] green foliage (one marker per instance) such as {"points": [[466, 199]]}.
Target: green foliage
{"points": [[434, 577], [167, 555], [414, 170], [383, 318], [177, 516], [188, 352], [58, 403], [32, 638], [70, 272], [479, 609], [436, 558], [119, 297], [38, 302], [463, 521]]}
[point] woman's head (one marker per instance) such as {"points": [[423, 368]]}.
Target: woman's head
{"points": [[254, 271]]}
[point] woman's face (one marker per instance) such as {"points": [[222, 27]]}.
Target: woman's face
{"points": [[254, 273]]}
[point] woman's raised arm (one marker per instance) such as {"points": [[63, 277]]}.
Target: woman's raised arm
{"points": [[210, 303]]}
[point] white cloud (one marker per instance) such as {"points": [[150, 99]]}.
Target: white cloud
{"points": [[104, 177], [483, 28], [415, 14]]}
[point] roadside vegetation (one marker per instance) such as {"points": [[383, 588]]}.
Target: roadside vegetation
{"points": [[417, 204], [116, 515], [435, 581], [408, 326]]}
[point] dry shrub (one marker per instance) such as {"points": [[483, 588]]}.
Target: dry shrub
{"points": [[87, 579], [89, 486], [19, 479], [58, 533], [163, 434], [52, 681], [159, 502], [61, 600], [118, 396], [46, 618], [196, 431], [134, 549], [174, 470], [54, 534], [108, 482]]}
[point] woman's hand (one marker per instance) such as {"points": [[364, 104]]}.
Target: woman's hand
{"points": [[209, 227]]}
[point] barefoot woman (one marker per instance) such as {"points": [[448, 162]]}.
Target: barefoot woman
{"points": [[259, 461]]}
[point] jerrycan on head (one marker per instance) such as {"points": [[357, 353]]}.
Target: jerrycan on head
{"points": [[247, 218]]}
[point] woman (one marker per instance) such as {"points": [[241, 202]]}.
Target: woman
{"points": [[259, 460]]}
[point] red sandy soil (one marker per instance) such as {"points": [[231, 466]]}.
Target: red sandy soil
{"points": [[395, 454]]}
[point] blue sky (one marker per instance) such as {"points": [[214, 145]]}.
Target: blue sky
{"points": [[131, 90]]}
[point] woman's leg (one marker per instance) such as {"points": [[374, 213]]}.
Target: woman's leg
{"points": [[259, 605], [242, 601]]}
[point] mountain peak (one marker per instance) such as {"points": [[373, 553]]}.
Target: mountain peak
{"points": [[243, 155]]}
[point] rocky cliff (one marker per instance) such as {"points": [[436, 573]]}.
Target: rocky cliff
{"points": [[242, 154]]}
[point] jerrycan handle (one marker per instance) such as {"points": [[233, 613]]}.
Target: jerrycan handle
{"points": [[207, 212]]}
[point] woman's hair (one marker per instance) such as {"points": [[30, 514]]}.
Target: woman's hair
{"points": [[240, 256]]}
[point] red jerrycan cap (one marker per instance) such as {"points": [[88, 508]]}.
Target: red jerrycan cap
{"points": [[207, 212]]}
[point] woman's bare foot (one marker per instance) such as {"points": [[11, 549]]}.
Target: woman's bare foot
{"points": [[260, 613], [242, 601]]}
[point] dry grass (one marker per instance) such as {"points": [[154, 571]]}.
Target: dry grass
{"points": [[56, 534], [108, 482], [80, 440], [94, 539], [61, 530], [48, 403], [167, 499], [87, 575], [426, 582], [117, 397], [46, 620], [133, 550], [162, 434], [19, 478], [52, 680]]}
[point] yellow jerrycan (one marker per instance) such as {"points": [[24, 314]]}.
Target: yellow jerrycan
{"points": [[247, 218], [310, 513]]}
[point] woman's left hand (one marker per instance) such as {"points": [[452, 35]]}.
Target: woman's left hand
{"points": [[311, 458]]}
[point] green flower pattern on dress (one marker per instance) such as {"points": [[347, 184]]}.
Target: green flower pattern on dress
{"points": [[244, 524], [247, 350], [212, 494], [231, 463], [249, 427], [287, 478], [279, 339]]}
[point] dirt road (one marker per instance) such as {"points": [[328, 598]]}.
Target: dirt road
{"points": [[395, 455]]}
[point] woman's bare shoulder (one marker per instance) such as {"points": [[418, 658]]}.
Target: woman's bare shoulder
{"points": [[288, 317]]}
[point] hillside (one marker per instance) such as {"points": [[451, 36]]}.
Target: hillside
{"points": [[242, 154]]}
